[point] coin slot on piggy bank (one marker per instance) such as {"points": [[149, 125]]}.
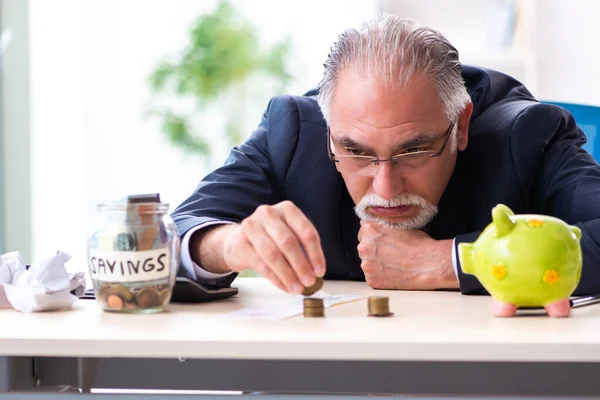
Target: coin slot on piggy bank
{"points": [[133, 255]]}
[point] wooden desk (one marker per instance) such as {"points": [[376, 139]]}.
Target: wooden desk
{"points": [[436, 342]]}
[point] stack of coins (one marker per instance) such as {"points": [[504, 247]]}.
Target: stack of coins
{"points": [[313, 307], [379, 306], [309, 291]]}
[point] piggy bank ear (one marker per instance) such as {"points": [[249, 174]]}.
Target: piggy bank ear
{"points": [[501, 216], [576, 231]]}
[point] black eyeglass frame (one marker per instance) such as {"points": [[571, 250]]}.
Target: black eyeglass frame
{"points": [[393, 159]]}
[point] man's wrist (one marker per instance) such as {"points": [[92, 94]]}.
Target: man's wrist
{"points": [[207, 248], [448, 277], [441, 275]]}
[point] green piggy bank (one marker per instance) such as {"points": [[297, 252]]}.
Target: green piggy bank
{"points": [[525, 261]]}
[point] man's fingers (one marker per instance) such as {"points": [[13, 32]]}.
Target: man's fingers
{"points": [[267, 273], [248, 257], [289, 245], [270, 254], [307, 234]]}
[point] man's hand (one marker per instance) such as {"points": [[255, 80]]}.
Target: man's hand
{"points": [[400, 259], [278, 242]]}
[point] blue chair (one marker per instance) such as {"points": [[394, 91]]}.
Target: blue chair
{"points": [[588, 120]]}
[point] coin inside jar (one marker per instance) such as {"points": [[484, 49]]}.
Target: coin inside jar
{"points": [[105, 290], [108, 289], [308, 291], [114, 301], [147, 297]]}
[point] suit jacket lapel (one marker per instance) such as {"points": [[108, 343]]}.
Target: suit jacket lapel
{"points": [[452, 218]]}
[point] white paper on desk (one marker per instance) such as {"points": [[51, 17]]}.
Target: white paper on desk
{"points": [[45, 286], [289, 307]]}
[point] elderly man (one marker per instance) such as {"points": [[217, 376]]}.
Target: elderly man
{"points": [[398, 156]]}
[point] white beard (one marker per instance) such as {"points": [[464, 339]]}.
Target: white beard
{"points": [[427, 211]]}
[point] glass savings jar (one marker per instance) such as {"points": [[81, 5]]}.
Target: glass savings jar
{"points": [[133, 255]]}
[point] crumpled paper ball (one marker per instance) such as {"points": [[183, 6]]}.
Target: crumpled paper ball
{"points": [[44, 286]]}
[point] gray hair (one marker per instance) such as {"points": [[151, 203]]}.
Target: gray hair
{"points": [[390, 49]]}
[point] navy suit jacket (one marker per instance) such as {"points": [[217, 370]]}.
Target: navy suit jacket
{"points": [[521, 153]]}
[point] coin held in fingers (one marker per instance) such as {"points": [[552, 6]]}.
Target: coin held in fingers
{"points": [[314, 288]]}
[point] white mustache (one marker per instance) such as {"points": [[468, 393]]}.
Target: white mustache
{"points": [[404, 199], [427, 210]]}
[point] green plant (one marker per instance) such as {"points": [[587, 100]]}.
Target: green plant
{"points": [[223, 53]]}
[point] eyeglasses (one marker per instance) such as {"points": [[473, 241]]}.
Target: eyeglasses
{"points": [[367, 165]]}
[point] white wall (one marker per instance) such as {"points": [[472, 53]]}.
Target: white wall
{"points": [[568, 43], [15, 130], [481, 30], [89, 63], [57, 127], [555, 49]]}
